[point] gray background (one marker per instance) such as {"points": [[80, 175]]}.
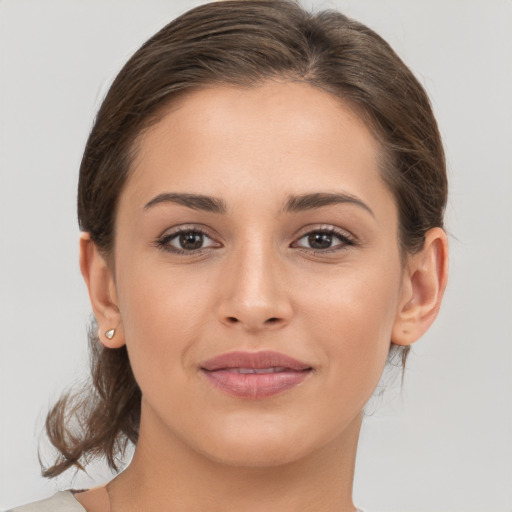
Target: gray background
{"points": [[444, 443]]}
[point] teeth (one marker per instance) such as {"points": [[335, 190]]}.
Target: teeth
{"points": [[258, 370]]}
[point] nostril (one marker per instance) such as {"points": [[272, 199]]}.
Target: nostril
{"points": [[253, 323]]}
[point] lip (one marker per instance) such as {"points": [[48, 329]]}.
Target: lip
{"points": [[255, 375]]}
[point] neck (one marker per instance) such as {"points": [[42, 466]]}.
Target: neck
{"points": [[166, 474]]}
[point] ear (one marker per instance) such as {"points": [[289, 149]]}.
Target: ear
{"points": [[424, 283], [102, 292]]}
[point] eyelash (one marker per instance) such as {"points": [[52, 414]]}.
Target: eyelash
{"points": [[164, 241], [345, 239]]}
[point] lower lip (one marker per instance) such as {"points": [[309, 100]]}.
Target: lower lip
{"points": [[255, 385]]}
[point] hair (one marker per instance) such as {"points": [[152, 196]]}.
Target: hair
{"points": [[242, 43]]}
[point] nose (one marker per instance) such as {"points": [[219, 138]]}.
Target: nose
{"points": [[254, 293]]}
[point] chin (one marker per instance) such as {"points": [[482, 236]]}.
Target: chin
{"points": [[267, 444], [260, 454]]}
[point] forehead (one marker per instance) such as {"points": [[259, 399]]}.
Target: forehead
{"points": [[271, 139]]}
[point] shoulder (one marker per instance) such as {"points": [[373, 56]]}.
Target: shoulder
{"points": [[63, 501]]}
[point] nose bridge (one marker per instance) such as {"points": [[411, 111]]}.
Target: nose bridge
{"points": [[254, 293]]}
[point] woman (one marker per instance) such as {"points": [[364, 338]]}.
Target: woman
{"points": [[261, 199]]}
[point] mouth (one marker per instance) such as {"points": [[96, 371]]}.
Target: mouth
{"points": [[255, 375]]}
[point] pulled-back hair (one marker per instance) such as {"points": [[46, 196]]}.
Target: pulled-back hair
{"points": [[240, 43]]}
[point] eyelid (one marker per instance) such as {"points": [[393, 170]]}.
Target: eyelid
{"points": [[185, 228], [327, 228]]}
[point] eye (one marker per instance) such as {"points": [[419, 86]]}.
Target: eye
{"points": [[186, 241], [324, 240]]}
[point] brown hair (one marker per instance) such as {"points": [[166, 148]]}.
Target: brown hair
{"points": [[241, 43]]}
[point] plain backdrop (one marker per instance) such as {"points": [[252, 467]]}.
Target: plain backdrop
{"points": [[445, 442]]}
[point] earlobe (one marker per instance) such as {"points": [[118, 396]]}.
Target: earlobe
{"points": [[425, 280], [102, 293]]}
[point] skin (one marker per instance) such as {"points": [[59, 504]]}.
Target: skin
{"points": [[256, 284]]}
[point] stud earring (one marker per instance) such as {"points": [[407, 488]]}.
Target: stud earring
{"points": [[110, 333]]}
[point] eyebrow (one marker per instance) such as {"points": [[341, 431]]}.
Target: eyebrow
{"points": [[312, 201], [294, 203], [193, 201]]}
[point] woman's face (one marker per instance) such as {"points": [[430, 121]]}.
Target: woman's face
{"points": [[257, 272]]}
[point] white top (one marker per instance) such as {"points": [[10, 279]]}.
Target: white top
{"points": [[63, 501]]}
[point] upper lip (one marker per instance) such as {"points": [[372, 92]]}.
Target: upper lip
{"points": [[254, 360]]}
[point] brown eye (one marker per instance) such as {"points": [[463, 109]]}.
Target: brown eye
{"points": [[320, 240], [324, 240], [186, 241], [191, 240]]}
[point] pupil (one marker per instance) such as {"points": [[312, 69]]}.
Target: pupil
{"points": [[191, 240], [320, 240]]}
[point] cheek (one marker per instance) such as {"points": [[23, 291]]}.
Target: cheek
{"points": [[352, 319], [162, 314]]}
